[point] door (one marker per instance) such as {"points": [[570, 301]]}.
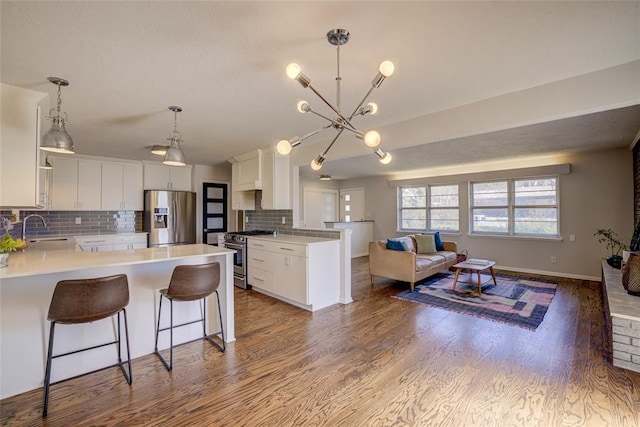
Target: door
{"points": [[352, 205], [214, 211], [320, 205]]}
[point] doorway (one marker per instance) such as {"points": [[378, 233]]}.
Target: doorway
{"points": [[214, 211], [352, 205], [319, 205]]}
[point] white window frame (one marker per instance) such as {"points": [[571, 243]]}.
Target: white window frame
{"points": [[511, 207], [427, 208]]}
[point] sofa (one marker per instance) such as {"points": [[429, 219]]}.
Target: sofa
{"points": [[411, 264]]}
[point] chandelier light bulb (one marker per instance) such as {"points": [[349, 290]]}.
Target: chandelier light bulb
{"points": [[372, 138], [373, 106], [315, 165], [303, 107], [293, 71], [386, 68], [283, 147], [386, 159]]}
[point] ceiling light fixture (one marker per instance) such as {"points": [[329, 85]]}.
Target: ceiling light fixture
{"points": [[325, 177], [46, 165], [159, 150], [338, 37], [174, 155], [57, 139]]}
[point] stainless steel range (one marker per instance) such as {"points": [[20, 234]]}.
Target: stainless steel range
{"points": [[238, 241]]}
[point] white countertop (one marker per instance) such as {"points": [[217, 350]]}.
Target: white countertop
{"points": [[53, 257], [289, 238]]}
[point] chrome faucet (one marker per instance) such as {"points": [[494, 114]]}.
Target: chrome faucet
{"points": [[24, 222]]}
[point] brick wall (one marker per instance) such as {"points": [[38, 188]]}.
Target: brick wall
{"points": [[626, 343]]}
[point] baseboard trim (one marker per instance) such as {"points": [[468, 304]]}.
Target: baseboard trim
{"points": [[548, 273]]}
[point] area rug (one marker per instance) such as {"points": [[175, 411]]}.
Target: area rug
{"points": [[519, 301]]}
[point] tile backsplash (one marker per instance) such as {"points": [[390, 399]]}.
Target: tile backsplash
{"points": [[63, 223]]}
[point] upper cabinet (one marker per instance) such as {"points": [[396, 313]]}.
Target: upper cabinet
{"points": [[122, 187], [276, 176], [75, 184], [162, 177], [21, 112], [264, 170], [246, 171]]}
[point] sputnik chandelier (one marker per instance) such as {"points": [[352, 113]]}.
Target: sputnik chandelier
{"points": [[340, 123]]}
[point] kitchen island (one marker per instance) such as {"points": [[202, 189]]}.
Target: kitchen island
{"points": [[27, 284]]}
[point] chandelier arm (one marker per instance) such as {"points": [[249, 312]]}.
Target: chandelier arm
{"points": [[335, 110], [364, 99], [315, 132], [324, 154]]}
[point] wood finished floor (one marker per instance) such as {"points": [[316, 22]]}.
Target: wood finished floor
{"points": [[377, 362]]}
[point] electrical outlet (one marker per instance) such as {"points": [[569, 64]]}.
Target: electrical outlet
{"points": [[78, 220], [572, 237], [284, 220], [554, 260]]}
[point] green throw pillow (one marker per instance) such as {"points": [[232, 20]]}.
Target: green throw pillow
{"points": [[426, 243]]}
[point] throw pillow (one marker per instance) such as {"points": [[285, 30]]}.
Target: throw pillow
{"points": [[396, 245], [426, 243], [436, 235]]}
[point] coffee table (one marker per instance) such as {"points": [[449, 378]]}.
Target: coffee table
{"points": [[477, 268]]}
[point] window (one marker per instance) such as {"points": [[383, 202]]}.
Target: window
{"points": [[526, 207], [435, 207]]}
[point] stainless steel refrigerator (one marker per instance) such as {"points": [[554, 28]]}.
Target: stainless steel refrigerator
{"points": [[169, 217]]}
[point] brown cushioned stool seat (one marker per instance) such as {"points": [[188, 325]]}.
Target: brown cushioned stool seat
{"points": [[84, 301], [191, 283]]}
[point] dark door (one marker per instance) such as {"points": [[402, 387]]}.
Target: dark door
{"points": [[214, 211]]}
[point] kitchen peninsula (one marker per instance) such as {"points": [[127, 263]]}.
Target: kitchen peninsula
{"points": [[27, 284]]}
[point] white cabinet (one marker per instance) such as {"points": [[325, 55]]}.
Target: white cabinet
{"points": [[21, 113], [122, 186], [247, 171], [75, 184], [264, 170], [111, 242], [276, 176], [162, 177], [129, 241], [303, 274]]}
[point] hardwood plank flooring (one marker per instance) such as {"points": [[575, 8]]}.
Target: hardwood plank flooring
{"points": [[379, 361]]}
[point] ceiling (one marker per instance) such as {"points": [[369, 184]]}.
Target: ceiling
{"points": [[223, 63]]}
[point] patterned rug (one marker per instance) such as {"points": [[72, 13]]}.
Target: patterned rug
{"points": [[516, 300]]}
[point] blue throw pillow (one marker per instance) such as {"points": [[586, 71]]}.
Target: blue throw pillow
{"points": [[395, 245], [436, 235]]}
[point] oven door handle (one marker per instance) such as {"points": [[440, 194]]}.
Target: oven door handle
{"points": [[233, 246]]}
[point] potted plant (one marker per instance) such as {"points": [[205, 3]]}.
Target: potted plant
{"points": [[634, 246], [8, 244], [611, 241]]}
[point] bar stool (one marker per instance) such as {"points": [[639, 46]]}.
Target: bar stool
{"points": [[191, 283], [85, 301]]}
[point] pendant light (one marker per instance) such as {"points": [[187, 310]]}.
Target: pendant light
{"points": [[57, 139], [174, 155]]}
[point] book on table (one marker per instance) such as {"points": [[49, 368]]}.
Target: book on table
{"points": [[478, 261]]}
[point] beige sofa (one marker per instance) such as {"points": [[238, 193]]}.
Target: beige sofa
{"points": [[408, 266]]}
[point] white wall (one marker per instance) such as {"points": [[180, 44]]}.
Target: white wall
{"points": [[219, 175], [597, 193]]}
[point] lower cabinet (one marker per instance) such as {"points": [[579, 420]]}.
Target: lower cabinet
{"points": [[284, 270], [111, 242]]}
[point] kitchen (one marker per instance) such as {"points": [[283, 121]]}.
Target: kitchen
{"points": [[87, 196]]}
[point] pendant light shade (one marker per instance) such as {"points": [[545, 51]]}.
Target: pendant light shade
{"points": [[174, 155], [57, 139]]}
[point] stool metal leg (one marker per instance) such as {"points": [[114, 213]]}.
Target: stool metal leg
{"points": [[168, 365], [47, 374], [127, 376], [222, 347]]}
